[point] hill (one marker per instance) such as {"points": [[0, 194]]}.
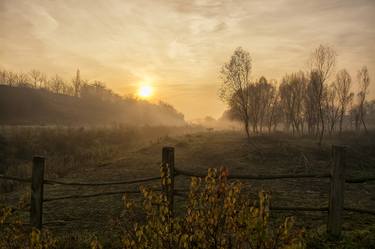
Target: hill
{"points": [[28, 106]]}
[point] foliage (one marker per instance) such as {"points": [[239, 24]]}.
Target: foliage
{"points": [[70, 148], [217, 216], [14, 235], [358, 239]]}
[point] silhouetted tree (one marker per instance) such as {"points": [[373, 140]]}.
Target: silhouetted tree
{"points": [[77, 84], [323, 61], [364, 82], [235, 87], [23, 80], [292, 94], [312, 104], [342, 87], [38, 79], [56, 84], [332, 107]]}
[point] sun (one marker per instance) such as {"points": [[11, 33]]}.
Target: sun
{"points": [[145, 91]]}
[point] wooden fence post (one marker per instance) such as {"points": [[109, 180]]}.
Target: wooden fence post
{"points": [[36, 204], [336, 194], [168, 164]]}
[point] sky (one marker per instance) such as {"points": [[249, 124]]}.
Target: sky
{"points": [[179, 46]]}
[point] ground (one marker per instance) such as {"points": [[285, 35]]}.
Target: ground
{"points": [[196, 152]]}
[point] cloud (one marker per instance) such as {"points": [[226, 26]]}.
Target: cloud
{"points": [[181, 43]]}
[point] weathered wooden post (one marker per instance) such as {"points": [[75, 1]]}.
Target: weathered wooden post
{"points": [[168, 165], [336, 194], [36, 204]]}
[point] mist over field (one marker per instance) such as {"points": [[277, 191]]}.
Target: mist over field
{"points": [[188, 124]]}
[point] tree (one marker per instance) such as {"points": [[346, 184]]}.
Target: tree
{"points": [[292, 93], [323, 61], [37, 78], [23, 80], [364, 82], [56, 84], [235, 87], [261, 97], [342, 87], [311, 104], [77, 84], [11, 78], [332, 107], [3, 77]]}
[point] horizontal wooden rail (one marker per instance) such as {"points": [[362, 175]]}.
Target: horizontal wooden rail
{"points": [[257, 177], [307, 209], [102, 183], [91, 195], [15, 178], [359, 210], [360, 180]]}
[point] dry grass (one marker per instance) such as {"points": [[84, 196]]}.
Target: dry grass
{"points": [[199, 151]]}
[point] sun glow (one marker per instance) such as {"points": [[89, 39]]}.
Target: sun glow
{"points": [[145, 91]]}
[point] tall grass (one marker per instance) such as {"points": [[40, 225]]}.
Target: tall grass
{"points": [[71, 148]]}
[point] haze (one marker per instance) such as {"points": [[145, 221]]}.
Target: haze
{"points": [[180, 47]]}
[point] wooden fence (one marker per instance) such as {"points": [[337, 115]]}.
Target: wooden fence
{"points": [[336, 195]]}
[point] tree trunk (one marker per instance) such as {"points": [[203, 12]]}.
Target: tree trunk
{"points": [[247, 130], [363, 121], [341, 119]]}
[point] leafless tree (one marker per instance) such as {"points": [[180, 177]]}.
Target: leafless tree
{"points": [[267, 92], [37, 78], [332, 107], [292, 93], [3, 77], [364, 82], [311, 103], [56, 84], [11, 78], [23, 80], [323, 61], [77, 84], [342, 87], [235, 87]]}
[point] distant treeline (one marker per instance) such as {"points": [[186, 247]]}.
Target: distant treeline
{"points": [[33, 98], [317, 102]]}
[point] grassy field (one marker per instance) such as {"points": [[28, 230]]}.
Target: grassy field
{"points": [[198, 151]]}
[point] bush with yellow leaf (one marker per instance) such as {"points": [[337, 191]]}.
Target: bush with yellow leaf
{"points": [[15, 235], [218, 215]]}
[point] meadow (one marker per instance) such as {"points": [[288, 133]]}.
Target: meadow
{"points": [[123, 153]]}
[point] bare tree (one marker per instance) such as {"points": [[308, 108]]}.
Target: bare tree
{"points": [[235, 87], [56, 84], [77, 84], [37, 78], [11, 78], [23, 80], [311, 104], [323, 61], [342, 87], [332, 107], [3, 77], [275, 112], [292, 93], [364, 82], [264, 99]]}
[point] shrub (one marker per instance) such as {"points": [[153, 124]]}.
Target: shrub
{"points": [[218, 215], [14, 235]]}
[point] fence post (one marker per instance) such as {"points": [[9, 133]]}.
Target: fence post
{"points": [[36, 204], [336, 194], [168, 164]]}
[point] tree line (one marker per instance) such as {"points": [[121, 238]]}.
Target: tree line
{"points": [[316, 102], [76, 87]]}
